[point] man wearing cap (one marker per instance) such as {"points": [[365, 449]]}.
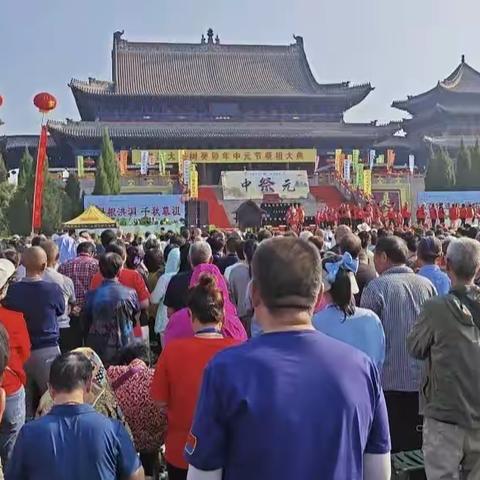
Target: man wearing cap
{"points": [[428, 252], [14, 378], [291, 403]]}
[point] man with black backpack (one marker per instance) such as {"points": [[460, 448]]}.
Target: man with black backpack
{"points": [[447, 336]]}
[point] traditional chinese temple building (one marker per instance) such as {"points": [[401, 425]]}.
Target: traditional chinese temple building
{"points": [[212, 96], [442, 116]]}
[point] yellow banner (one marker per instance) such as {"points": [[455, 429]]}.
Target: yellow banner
{"points": [[367, 182], [355, 157], [306, 155], [193, 182], [80, 166]]}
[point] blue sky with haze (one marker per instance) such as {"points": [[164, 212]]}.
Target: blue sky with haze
{"points": [[402, 47]]}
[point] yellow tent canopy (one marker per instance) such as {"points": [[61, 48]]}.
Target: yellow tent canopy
{"points": [[92, 217]]}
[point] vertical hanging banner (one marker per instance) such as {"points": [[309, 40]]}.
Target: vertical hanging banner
{"points": [[411, 163], [346, 169], [123, 161], [144, 156], [381, 159], [390, 159], [162, 163], [187, 168], [181, 160], [371, 158], [39, 180], [80, 166], [355, 157], [338, 161], [193, 181], [359, 175], [367, 182]]}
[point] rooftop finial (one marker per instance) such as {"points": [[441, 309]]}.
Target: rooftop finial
{"points": [[298, 39], [203, 41], [217, 39], [210, 35], [463, 58]]}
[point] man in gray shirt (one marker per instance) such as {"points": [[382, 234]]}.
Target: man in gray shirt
{"points": [[66, 285], [397, 297]]}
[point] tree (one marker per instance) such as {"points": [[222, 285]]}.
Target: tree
{"points": [[73, 201], [6, 193], [110, 164], [475, 170], [53, 203], [464, 169], [101, 186], [3, 170], [26, 172], [440, 174]]}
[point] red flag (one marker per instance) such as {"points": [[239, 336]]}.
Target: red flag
{"points": [[39, 180]]}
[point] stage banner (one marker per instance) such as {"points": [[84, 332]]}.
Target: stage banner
{"points": [[359, 175], [155, 156], [254, 184], [371, 158], [123, 161], [338, 164], [142, 209], [80, 166], [367, 182], [355, 157], [252, 156], [411, 163], [193, 181], [347, 169], [144, 157], [39, 180], [390, 159]]}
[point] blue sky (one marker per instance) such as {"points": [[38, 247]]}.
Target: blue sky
{"points": [[402, 47]]}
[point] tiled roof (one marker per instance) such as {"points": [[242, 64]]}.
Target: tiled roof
{"points": [[463, 80], [453, 141], [24, 141], [211, 69], [228, 130]]}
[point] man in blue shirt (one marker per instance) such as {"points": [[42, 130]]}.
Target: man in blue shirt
{"points": [[428, 252], [41, 303], [110, 311], [73, 441], [291, 403]]}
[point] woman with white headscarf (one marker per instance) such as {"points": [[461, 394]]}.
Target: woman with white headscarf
{"points": [[158, 295]]}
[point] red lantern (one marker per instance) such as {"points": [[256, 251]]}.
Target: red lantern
{"points": [[45, 102], [1, 100]]}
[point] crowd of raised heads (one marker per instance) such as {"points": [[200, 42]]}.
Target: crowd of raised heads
{"points": [[304, 353]]}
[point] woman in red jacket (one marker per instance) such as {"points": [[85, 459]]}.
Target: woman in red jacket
{"points": [[14, 378]]}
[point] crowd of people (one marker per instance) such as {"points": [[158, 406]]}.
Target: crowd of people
{"points": [[312, 353]]}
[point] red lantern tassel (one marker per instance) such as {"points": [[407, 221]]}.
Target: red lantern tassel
{"points": [[39, 181]]}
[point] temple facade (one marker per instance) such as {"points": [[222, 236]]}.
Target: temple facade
{"points": [[213, 96], [444, 115]]}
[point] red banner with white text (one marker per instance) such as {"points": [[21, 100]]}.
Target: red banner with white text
{"points": [[39, 180]]}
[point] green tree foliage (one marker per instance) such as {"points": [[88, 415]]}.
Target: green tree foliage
{"points": [[475, 170], [110, 164], [102, 186], [26, 172], [53, 203], [464, 169], [440, 173], [72, 199], [6, 193], [3, 170]]}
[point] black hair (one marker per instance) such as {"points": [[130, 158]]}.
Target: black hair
{"points": [[107, 236], [232, 244], [137, 349], [249, 250], [185, 233], [117, 247], [364, 238], [86, 247], [12, 255], [240, 247], [110, 265], [206, 301], [216, 242], [153, 260], [411, 240], [37, 240], [341, 288], [394, 248], [134, 257], [70, 371]]}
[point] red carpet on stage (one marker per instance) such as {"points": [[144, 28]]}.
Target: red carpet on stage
{"points": [[216, 212], [327, 194]]}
